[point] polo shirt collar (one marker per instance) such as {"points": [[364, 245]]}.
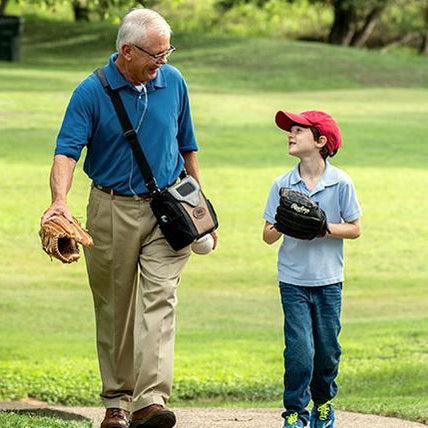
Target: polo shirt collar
{"points": [[158, 82], [116, 79], [329, 178], [295, 175]]}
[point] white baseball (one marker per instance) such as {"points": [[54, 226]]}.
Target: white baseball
{"points": [[203, 245]]}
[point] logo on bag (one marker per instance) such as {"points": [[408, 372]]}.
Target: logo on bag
{"points": [[199, 212]]}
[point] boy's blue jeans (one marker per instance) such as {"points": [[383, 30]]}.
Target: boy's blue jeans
{"points": [[312, 350]]}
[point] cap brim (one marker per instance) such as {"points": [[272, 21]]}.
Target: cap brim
{"points": [[285, 120]]}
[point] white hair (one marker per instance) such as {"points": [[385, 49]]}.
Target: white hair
{"points": [[134, 25]]}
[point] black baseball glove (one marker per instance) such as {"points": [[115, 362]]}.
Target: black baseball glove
{"points": [[299, 216]]}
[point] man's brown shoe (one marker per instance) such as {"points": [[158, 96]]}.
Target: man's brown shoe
{"points": [[115, 418], [153, 416]]}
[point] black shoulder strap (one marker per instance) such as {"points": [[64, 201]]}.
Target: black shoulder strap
{"points": [[129, 132]]}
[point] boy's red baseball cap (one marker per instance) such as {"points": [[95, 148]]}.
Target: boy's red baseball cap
{"points": [[325, 124]]}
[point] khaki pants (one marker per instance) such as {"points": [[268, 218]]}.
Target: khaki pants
{"points": [[133, 274]]}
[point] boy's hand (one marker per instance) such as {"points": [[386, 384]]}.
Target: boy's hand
{"points": [[299, 216]]}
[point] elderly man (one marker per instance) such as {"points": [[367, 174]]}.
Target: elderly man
{"points": [[133, 271]]}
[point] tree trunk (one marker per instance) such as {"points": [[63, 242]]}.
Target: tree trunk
{"points": [[80, 11], [423, 50], [403, 40], [3, 4], [361, 36], [343, 28]]}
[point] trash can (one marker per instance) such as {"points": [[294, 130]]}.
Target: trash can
{"points": [[10, 30]]}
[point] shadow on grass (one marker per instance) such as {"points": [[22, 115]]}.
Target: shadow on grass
{"points": [[49, 413], [228, 63], [236, 67]]}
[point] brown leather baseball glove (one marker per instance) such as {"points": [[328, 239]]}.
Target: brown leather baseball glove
{"points": [[60, 238]]}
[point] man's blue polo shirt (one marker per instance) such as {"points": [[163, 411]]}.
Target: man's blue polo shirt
{"points": [[319, 261], [165, 132]]}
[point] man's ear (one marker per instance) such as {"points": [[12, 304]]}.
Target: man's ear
{"points": [[126, 51]]}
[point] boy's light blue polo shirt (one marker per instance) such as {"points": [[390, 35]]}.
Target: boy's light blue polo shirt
{"points": [[319, 261], [165, 132]]}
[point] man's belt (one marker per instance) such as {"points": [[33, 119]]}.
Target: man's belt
{"points": [[113, 192]]}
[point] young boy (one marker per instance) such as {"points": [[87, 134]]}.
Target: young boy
{"points": [[310, 273]]}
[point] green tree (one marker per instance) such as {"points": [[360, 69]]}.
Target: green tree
{"points": [[424, 45], [84, 10], [229, 4], [355, 20], [3, 4]]}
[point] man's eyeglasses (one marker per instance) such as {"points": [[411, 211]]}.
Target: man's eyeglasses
{"points": [[157, 57]]}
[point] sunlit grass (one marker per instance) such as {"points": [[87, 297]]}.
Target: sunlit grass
{"points": [[229, 340]]}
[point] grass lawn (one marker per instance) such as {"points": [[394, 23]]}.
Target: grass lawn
{"points": [[229, 339], [27, 420]]}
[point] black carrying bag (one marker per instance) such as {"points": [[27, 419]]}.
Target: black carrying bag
{"points": [[183, 212]]}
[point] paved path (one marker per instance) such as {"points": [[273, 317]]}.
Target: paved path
{"points": [[215, 417]]}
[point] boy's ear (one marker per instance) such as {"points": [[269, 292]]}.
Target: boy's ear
{"points": [[322, 141]]}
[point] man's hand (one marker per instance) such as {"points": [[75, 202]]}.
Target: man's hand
{"points": [[60, 238], [57, 208]]}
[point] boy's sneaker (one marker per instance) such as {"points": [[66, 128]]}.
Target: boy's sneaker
{"points": [[322, 416], [292, 421]]}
